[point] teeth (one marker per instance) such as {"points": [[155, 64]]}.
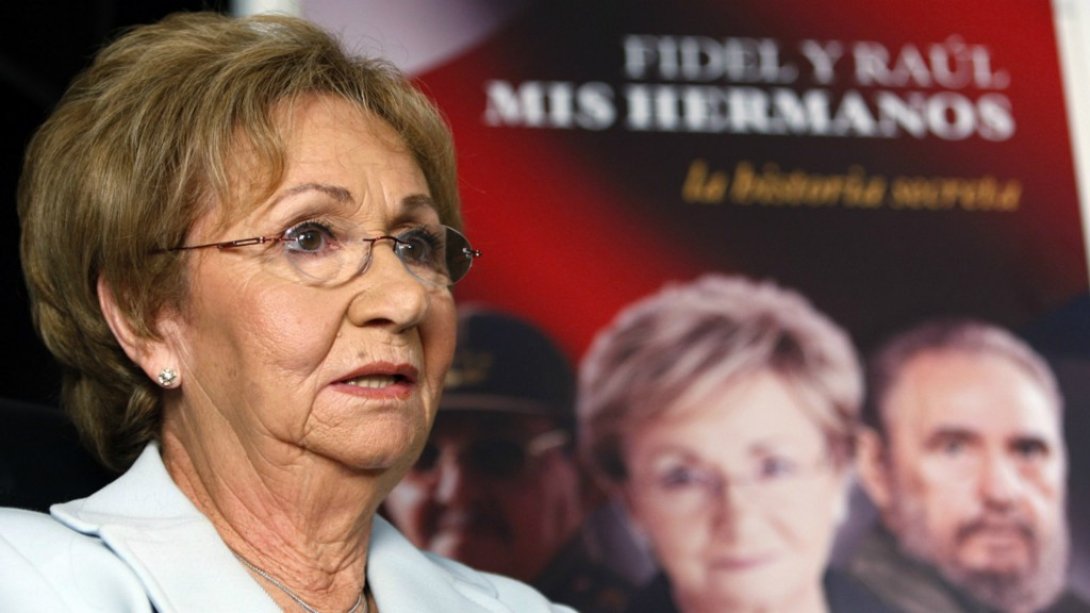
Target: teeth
{"points": [[373, 381]]}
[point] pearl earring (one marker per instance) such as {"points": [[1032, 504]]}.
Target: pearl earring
{"points": [[168, 378]]}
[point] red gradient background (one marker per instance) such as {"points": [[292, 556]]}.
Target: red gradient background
{"points": [[575, 224]]}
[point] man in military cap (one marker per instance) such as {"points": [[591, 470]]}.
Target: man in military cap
{"points": [[498, 485]]}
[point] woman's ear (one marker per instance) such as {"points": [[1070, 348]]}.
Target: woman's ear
{"points": [[873, 468], [154, 355]]}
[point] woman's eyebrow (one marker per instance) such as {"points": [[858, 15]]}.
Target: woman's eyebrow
{"points": [[416, 201], [413, 206], [338, 193]]}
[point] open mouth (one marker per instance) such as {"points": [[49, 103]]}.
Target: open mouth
{"points": [[382, 379], [377, 381]]}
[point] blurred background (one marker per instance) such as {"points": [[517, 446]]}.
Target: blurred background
{"points": [[581, 206], [42, 46]]}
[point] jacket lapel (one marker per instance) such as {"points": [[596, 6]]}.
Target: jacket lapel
{"points": [[185, 566], [170, 546]]}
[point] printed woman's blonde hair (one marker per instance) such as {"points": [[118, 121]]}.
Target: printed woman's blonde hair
{"points": [[688, 339]]}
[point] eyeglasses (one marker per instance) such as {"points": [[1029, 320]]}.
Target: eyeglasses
{"points": [[322, 255], [684, 489], [496, 458]]}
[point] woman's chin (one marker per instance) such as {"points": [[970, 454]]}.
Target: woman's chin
{"points": [[374, 451], [748, 588]]}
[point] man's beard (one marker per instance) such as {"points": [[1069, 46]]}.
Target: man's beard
{"points": [[1030, 588]]}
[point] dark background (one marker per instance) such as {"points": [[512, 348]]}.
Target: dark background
{"points": [[42, 47]]}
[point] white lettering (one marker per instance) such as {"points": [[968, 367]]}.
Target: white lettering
{"points": [[639, 55], [704, 59], [896, 113], [853, 117], [951, 116], [822, 58], [557, 104], [996, 120]]}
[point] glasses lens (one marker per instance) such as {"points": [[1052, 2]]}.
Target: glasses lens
{"points": [[459, 255], [311, 249], [437, 255]]}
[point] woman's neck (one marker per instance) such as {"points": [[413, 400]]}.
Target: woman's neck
{"points": [[807, 600], [300, 520]]}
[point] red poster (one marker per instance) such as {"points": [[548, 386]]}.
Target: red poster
{"points": [[892, 162]]}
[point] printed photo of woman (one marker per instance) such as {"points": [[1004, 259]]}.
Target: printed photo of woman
{"points": [[722, 413]]}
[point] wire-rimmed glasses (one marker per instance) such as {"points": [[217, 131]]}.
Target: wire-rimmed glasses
{"points": [[321, 255], [685, 489]]}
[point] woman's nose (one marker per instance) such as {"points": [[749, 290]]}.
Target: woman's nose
{"points": [[388, 292], [731, 505]]}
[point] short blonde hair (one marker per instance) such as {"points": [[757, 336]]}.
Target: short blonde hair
{"points": [[702, 334], [138, 148]]}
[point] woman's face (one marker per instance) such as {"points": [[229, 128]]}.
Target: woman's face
{"points": [[737, 494], [348, 373]]}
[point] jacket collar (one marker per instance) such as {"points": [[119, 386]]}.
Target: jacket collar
{"points": [[184, 565], [904, 581], [171, 547]]}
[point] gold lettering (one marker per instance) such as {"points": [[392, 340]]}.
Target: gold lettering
{"points": [[702, 187]]}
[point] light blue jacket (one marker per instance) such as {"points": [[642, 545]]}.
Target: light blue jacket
{"points": [[139, 544]]}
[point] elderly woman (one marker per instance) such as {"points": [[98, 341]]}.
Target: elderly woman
{"points": [[240, 243], [722, 414]]}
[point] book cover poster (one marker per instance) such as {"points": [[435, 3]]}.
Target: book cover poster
{"points": [[893, 162]]}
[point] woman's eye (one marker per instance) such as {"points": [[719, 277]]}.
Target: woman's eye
{"points": [[953, 447], [678, 477], [309, 237], [421, 246], [774, 467]]}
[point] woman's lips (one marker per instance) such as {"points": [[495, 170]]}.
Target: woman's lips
{"points": [[740, 563], [379, 380]]}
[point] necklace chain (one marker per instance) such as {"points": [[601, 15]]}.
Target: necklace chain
{"points": [[362, 600]]}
